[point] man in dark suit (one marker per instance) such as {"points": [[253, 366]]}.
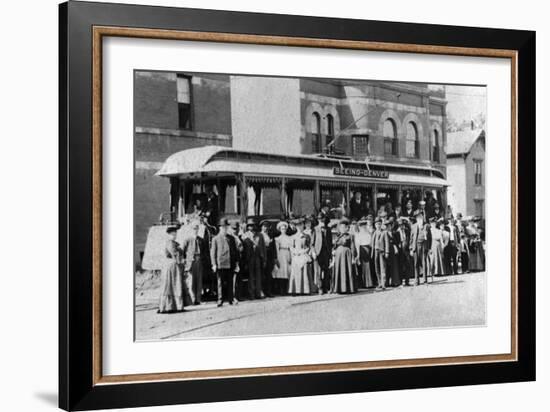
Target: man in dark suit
{"points": [[255, 258], [403, 244], [380, 251], [224, 256], [323, 252], [357, 208], [195, 254], [233, 230], [419, 248], [451, 250], [211, 209]]}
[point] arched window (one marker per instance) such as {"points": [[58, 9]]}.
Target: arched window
{"points": [[435, 145], [390, 138], [412, 146], [315, 132], [330, 129]]}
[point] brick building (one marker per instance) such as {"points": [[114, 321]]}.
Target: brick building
{"points": [[383, 122]]}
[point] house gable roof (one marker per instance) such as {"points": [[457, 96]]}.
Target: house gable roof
{"points": [[461, 142]]}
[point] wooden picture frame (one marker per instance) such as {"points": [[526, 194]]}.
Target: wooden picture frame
{"points": [[82, 27]]}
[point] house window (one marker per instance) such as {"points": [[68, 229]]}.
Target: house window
{"points": [[478, 164], [435, 146], [315, 132], [360, 145], [479, 207], [184, 102], [412, 144], [330, 129], [390, 138]]}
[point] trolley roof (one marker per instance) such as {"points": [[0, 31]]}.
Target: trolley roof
{"points": [[223, 161]]}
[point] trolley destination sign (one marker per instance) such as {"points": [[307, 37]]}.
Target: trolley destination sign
{"points": [[356, 172]]}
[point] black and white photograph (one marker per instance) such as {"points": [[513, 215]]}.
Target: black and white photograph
{"points": [[294, 205]]}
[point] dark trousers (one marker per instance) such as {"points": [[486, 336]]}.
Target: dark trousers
{"points": [[267, 279], [449, 254], [380, 264], [325, 278], [225, 285], [465, 261], [404, 265], [255, 278], [420, 258]]}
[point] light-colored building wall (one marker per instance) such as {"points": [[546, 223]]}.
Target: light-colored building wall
{"points": [[475, 192], [456, 192], [266, 114]]}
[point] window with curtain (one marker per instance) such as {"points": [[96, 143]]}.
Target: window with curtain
{"points": [[315, 132], [477, 172], [412, 144], [360, 145], [184, 101], [390, 138]]}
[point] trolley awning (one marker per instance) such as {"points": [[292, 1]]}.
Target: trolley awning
{"points": [[220, 161]]}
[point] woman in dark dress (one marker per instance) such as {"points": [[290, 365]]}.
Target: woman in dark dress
{"points": [[476, 254], [343, 253]]}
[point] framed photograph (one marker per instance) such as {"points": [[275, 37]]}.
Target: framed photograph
{"points": [[257, 206]]}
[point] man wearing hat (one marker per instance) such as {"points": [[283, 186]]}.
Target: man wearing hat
{"points": [[233, 230], [270, 257], [195, 255], [451, 251], [380, 252], [419, 247], [255, 258], [224, 257], [323, 251], [402, 239]]}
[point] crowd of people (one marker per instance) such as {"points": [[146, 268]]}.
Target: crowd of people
{"points": [[316, 254]]}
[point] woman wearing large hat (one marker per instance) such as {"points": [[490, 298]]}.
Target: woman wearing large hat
{"points": [[172, 288], [300, 272], [344, 251], [283, 247]]}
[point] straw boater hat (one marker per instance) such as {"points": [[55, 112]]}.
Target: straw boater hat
{"points": [[378, 220], [363, 222]]}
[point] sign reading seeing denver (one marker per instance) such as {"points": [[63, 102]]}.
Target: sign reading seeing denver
{"points": [[379, 174]]}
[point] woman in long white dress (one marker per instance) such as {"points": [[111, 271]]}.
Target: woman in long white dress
{"points": [[283, 247], [300, 269]]}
